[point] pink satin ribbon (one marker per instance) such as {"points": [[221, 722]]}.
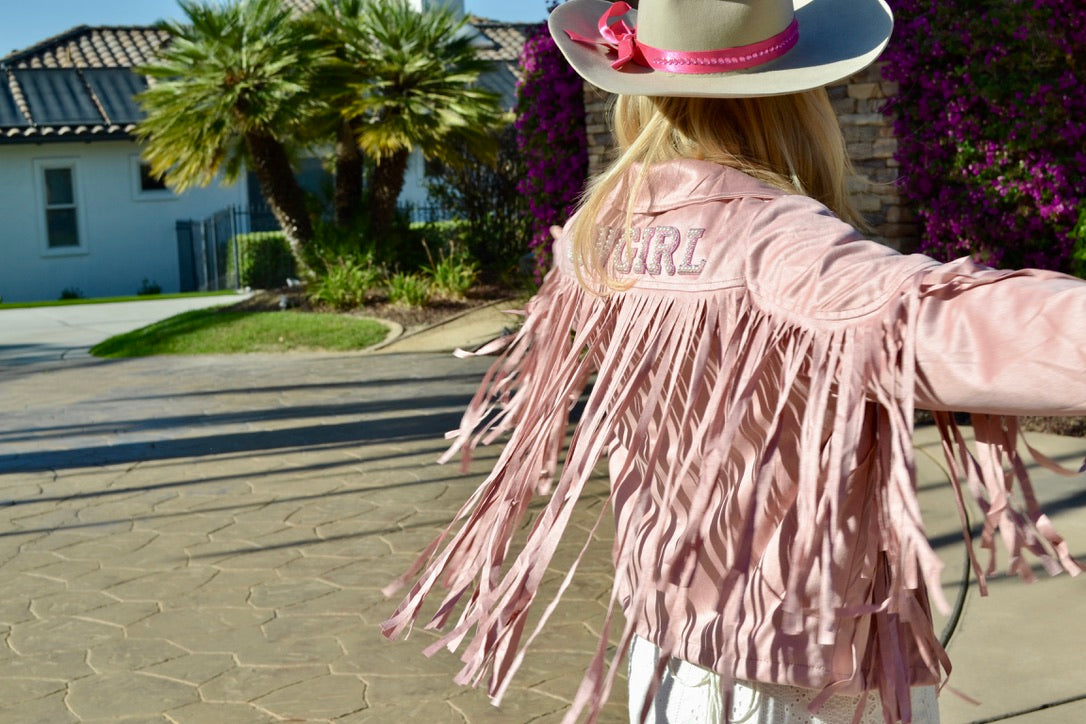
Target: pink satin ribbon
{"points": [[621, 38]]}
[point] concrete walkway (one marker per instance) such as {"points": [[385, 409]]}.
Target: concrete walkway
{"points": [[203, 539], [33, 335]]}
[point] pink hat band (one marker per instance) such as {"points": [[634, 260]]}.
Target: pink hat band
{"points": [[621, 38]]}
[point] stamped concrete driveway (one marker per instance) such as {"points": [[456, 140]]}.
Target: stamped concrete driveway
{"points": [[203, 539]]}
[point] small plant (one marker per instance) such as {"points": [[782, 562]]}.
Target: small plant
{"points": [[71, 293], [412, 290], [345, 283], [148, 288], [333, 245], [453, 273]]}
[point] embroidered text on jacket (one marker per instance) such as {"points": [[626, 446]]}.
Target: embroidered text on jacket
{"points": [[651, 250]]}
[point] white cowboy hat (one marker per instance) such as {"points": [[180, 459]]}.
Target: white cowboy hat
{"points": [[719, 48]]}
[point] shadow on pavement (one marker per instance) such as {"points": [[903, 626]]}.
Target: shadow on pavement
{"points": [[414, 427]]}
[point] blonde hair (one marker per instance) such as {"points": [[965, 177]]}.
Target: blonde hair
{"points": [[791, 142]]}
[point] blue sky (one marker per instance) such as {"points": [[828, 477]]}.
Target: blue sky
{"points": [[26, 22]]}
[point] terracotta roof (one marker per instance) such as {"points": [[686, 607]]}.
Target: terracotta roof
{"points": [[502, 43], [302, 6], [87, 47], [506, 39]]}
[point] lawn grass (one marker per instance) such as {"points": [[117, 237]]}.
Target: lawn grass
{"points": [[109, 300], [209, 331]]}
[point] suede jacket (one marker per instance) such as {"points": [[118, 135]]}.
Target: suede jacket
{"points": [[752, 386]]}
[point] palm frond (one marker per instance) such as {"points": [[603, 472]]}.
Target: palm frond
{"points": [[232, 69], [415, 75]]}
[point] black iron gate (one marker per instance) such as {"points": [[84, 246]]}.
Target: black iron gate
{"points": [[207, 250]]}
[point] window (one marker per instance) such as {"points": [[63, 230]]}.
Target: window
{"points": [[58, 193], [148, 181], [61, 221], [145, 185]]}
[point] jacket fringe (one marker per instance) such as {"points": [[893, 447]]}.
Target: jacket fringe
{"points": [[645, 350]]}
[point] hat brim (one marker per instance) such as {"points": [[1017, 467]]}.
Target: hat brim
{"points": [[836, 39]]}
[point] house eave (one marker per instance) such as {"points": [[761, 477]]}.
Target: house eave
{"points": [[35, 136]]}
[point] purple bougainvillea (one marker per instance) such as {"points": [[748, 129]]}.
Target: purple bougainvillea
{"points": [[551, 135], [991, 122]]}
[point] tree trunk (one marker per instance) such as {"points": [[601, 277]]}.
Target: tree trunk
{"points": [[388, 177], [348, 193], [280, 188]]}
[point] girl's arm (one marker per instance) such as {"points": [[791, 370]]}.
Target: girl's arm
{"points": [[1001, 342]]}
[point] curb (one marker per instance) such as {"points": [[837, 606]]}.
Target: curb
{"points": [[395, 332], [429, 327]]}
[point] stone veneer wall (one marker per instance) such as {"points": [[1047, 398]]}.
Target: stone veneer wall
{"points": [[597, 121], [869, 140]]}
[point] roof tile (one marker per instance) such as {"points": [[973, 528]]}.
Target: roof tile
{"points": [[87, 47]]}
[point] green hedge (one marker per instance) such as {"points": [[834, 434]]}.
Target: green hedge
{"points": [[265, 260], [442, 234]]}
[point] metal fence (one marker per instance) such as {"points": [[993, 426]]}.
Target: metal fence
{"points": [[207, 252], [427, 214]]}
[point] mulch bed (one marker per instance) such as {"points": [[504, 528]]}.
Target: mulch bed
{"points": [[1070, 426]]}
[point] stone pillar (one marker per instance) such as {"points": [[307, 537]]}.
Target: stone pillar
{"points": [[597, 122], [870, 143]]}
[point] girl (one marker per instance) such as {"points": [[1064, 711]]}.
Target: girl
{"points": [[755, 364]]}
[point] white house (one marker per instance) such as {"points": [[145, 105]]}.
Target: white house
{"points": [[78, 210]]}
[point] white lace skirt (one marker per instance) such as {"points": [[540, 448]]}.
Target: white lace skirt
{"points": [[690, 694]]}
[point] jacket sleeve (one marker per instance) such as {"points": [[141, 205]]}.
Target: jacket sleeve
{"points": [[987, 341], [1001, 342]]}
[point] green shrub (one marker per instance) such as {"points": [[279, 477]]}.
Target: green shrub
{"points": [[333, 245], [441, 234], [71, 293], [400, 246], [493, 218], [453, 273], [345, 283], [412, 290], [148, 288], [1078, 238], [397, 247], [265, 260]]}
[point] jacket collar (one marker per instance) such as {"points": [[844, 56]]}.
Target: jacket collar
{"points": [[684, 182]]}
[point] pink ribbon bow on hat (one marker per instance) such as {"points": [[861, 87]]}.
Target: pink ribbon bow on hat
{"points": [[618, 36]]}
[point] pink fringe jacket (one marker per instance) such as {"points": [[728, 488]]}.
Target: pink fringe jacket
{"points": [[754, 395]]}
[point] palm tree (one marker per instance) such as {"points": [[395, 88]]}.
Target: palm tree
{"points": [[232, 91], [408, 82], [334, 82]]}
